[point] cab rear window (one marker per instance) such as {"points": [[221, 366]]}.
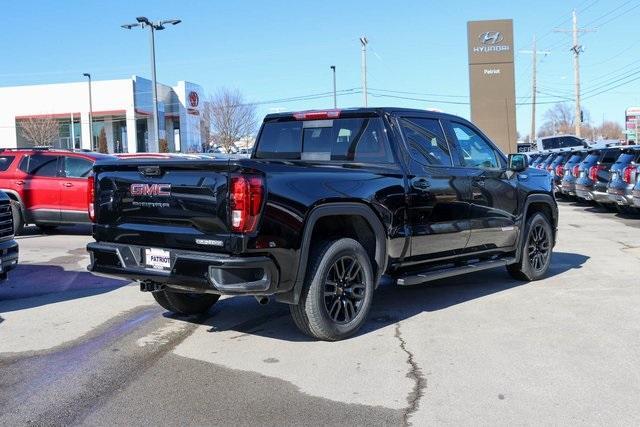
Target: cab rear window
{"points": [[346, 140]]}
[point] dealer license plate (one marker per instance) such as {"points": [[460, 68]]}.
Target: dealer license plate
{"points": [[158, 259]]}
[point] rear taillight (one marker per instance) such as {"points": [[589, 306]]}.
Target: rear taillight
{"points": [[576, 171], [245, 201], [549, 168], [559, 170], [593, 172], [91, 198], [629, 174]]}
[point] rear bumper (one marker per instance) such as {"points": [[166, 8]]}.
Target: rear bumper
{"points": [[588, 193], [567, 187], [620, 195], [190, 271], [635, 197], [8, 257]]}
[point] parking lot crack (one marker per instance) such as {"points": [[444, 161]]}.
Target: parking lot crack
{"points": [[415, 374]]}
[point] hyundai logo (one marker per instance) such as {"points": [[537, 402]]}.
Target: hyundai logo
{"points": [[491, 37]]}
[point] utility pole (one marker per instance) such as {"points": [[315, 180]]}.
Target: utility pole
{"points": [[364, 42], [576, 49], [335, 98], [534, 86]]}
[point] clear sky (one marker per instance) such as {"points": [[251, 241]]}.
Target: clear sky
{"points": [[277, 50]]}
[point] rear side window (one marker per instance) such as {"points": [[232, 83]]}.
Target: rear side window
{"points": [[40, 165], [426, 141], [357, 140], [77, 167], [5, 162]]}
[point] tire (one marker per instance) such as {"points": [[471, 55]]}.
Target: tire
{"points": [[18, 220], [185, 303], [539, 237], [337, 292]]}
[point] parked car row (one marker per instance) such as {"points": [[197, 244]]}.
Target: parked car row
{"points": [[605, 174]]}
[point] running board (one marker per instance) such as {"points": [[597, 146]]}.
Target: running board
{"points": [[418, 278]]}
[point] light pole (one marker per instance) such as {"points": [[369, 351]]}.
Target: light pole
{"points": [[153, 27], [335, 100], [88, 76]]}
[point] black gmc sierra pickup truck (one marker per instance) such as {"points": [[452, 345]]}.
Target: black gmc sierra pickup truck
{"points": [[329, 204]]}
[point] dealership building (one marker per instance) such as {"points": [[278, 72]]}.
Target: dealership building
{"points": [[121, 112]]}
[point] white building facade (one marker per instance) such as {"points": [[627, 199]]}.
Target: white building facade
{"points": [[121, 111]]}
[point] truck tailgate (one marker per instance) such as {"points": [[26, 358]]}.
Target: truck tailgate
{"points": [[173, 204]]}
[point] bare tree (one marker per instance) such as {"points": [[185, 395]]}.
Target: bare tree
{"points": [[41, 131], [609, 130], [231, 118], [559, 120]]}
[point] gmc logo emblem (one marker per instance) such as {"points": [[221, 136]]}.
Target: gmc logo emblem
{"points": [[150, 189]]}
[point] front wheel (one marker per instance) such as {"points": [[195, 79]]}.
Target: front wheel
{"points": [[535, 254], [337, 291], [185, 303]]}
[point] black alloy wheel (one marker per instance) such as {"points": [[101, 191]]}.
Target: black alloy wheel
{"points": [[344, 290], [538, 247]]}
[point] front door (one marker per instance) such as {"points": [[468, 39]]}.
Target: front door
{"points": [[493, 200], [437, 211], [73, 189]]}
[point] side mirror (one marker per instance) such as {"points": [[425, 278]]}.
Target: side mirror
{"points": [[518, 162]]}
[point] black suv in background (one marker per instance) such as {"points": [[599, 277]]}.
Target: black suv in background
{"points": [[571, 170], [8, 246], [624, 175], [328, 204], [594, 175]]}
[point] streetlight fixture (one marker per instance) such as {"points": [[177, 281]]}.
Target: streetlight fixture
{"points": [[88, 76], [144, 22], [335, 100]]}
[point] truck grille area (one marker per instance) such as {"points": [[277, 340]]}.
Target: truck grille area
{"points": [[6, 222]]}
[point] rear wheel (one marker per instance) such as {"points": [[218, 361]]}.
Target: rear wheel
{"points": [[337, 292], [185, 303], [535, 257], [18, 221]]}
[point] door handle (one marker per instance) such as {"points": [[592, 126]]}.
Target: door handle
{"points": [[420, 183], [19, 182], [68, 184]]}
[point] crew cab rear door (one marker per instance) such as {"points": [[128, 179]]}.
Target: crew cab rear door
{"points": [[437, 211], [493, 201]]}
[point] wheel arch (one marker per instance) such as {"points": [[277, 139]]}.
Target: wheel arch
{"points": [[326, 211], [534, 203]]}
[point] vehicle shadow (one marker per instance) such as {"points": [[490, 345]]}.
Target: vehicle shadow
{"points": [[391, 303], [33, 285], [31, 231]]}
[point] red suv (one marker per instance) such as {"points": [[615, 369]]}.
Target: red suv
{"points": [[47, 187]]}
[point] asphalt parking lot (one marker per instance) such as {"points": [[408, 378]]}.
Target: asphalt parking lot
{"points": [[479, 349]]}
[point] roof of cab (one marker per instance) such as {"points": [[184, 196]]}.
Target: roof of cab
{"points": [[376, 111]]}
